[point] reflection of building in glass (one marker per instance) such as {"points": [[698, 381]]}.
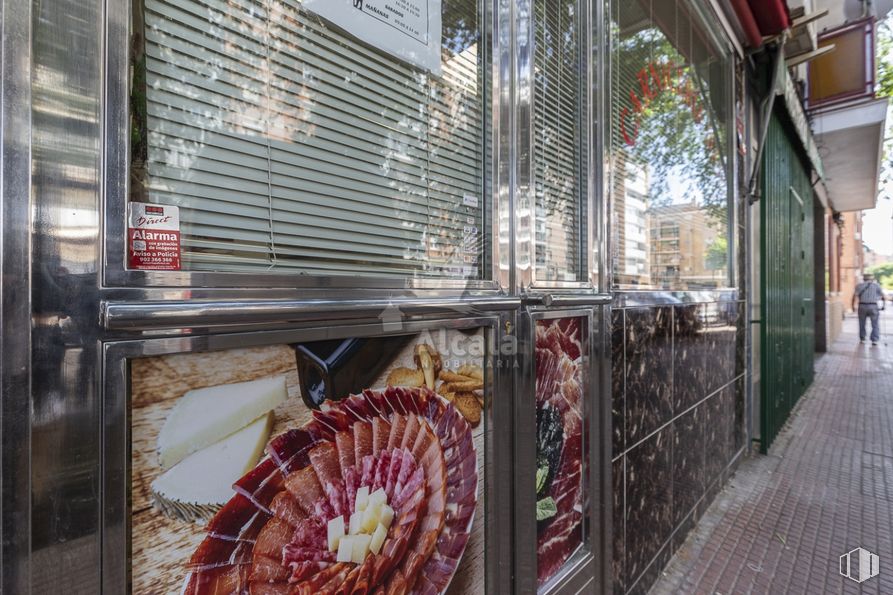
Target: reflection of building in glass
{"points": [[631, 222], [309, 159], [686, 251], [558, 141], [555, 245]]}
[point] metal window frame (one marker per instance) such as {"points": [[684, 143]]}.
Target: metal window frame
{"points": [[116, 173], [15, 296], [116, 452], [591, 253], [589, 567], [703, 11]]}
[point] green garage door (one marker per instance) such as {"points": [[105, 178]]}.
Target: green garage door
{"points": [[787, 340]]}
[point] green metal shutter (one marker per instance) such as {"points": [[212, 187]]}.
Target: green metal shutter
{"points": [[786, 291]]}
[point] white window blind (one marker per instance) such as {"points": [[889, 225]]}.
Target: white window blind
{"points": [[559, 151], [289, 145]]}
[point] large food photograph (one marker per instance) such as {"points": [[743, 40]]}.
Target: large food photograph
{"points": [[560, 442], [340, 466]]}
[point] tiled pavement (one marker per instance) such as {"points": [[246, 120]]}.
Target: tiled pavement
{"points": [[825, 488]]}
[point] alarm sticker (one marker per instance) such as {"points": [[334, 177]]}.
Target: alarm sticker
{"points": [[153, 237]]}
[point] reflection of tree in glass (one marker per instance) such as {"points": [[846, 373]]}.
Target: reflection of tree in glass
{"points": [[676, 131], [298, 135], [717, 254]]}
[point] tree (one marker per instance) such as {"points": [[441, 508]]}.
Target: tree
{"points": [[884, 88], [884, 274], [884, 59], [717, 254]]}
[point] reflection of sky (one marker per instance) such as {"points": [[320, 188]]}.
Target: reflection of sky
{"points": [[683, 190]]}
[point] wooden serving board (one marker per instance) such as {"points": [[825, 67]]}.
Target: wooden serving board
{"points": [[160, 545]]}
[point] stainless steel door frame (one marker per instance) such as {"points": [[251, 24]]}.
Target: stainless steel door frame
{"points": [[116, 454], [15, 295], [587, 570], [71, 80]]}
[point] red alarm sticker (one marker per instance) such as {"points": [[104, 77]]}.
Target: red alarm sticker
{"points": [[153, 237]]}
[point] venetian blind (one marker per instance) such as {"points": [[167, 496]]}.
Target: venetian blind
{"points": [[289, 145], [559, 175]]}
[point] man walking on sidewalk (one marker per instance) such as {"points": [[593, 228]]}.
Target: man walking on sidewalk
{"points": [[869, 293]]}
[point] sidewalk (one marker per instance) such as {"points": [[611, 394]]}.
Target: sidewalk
{"points": [[825, 488]]}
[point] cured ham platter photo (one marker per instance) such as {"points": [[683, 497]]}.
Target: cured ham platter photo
{"points": [[560, 443], [244, 484]]}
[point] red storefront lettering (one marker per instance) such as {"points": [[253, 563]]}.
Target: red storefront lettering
{"points": [[624, 116], [654, 79]]}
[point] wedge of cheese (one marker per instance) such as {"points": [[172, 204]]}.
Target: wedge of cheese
{"points": [[207, 415], [196, 487]]}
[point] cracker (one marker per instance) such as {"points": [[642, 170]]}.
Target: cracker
{"points": [[469, 407], [465, 386], [448, 376], [479, 394], [471, 371], [406, 377]]}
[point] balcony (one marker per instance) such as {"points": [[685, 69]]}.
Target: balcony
{"points": [[846, 74], [847, 118]]}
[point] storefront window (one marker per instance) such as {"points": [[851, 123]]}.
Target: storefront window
{"points": [[559, 151], [290, 143], [671, 89]]}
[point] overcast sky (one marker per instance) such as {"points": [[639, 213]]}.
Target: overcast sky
{"points": [[877, 225]]}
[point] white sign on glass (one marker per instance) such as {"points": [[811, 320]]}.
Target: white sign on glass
{"points": [[408, 29]]}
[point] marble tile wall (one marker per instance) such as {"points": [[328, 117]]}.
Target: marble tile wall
{"points": [[679, 422]]}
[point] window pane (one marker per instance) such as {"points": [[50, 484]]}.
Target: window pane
{"points": [[671, 95], [290, 145], [558, 144]]}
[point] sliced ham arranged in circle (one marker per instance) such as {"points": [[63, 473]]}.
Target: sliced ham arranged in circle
{"points": [[559, 388], [271, 537]]}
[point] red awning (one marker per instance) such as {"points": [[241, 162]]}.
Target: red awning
{"points": [[772, 16], [748, 23]]}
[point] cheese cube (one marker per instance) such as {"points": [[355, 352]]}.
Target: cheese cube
{"points": [[362, 498], [207, 415], [370, 518], [345, 550], [386, 516], [336, 532], [360, 548], [378, 539], [378, 497], [356, 519]]}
